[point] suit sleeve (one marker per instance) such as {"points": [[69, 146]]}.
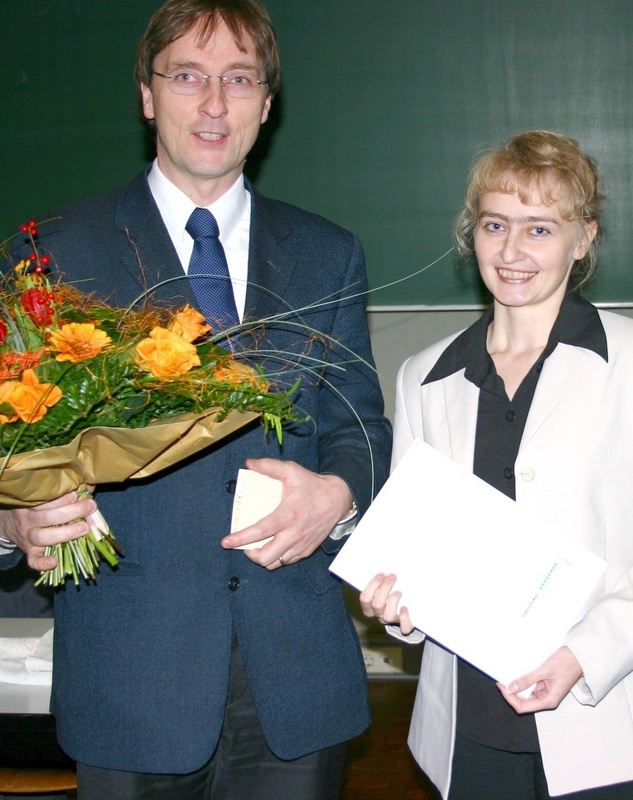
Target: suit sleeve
{"points": [[603, 643], [354, 435]]}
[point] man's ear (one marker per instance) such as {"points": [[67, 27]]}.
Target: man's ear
{"points": [[148, 101], [266, 109]]}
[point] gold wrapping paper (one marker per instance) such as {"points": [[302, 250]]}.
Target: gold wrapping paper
{"points": [[111, 455]]}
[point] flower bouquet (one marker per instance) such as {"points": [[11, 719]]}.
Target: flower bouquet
{"points": [[95, 394]]}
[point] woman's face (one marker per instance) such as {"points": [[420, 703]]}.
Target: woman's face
{"points": [[526, 253]]}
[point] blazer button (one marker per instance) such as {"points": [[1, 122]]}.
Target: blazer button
{"points": [[230, 486], [234, 583], [508, 473], [527, 474]]}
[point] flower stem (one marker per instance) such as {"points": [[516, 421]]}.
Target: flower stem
{"points": [[82, 556]]}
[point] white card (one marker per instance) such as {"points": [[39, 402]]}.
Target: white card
{"points": [[256, 496]]}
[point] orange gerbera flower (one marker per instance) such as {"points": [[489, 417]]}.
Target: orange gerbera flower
{"points": [[237, 374], [78, 341], [30, 398], [189, 324], [165, 354]]}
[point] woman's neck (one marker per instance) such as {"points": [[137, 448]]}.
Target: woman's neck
{"points": [[516, 338]]}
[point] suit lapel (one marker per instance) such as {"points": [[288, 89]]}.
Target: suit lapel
{"points": [[270, 267], [462, 403], [449, 416], [556, 381], [150, 258], [153, 263], [461, 399]]}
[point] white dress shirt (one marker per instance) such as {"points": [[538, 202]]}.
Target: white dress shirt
{"points": [[232, 212]]}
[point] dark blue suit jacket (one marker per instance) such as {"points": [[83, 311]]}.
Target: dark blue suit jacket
{"points": [[142, 657]]}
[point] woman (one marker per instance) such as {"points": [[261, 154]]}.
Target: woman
{"points": [[543, 386]]}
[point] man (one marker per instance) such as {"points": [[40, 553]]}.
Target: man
{"points": [[198, 670]]}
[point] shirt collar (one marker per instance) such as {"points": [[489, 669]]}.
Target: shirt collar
{"points": [[578, 324], [175, 207]]}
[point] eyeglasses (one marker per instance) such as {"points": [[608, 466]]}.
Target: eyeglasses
{"points": [[237, 83]]}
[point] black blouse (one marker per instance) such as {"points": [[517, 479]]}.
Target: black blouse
{"points": [[482, 714]]}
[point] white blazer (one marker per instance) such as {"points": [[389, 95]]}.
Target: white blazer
{"points": [[575, 466]]}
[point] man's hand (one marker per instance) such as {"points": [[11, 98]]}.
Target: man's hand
{"points": [[551, 682], [33, 529], [311, 505]]}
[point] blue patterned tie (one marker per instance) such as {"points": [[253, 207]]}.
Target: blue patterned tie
{"points": [[213, 288]]}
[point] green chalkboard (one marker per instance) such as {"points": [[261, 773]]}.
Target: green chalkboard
{"points": [[383, 107]]}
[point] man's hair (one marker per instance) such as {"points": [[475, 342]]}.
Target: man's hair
{"points": [[541, 167], [177, 17]]}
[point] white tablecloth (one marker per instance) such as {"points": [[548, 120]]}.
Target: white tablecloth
{"points": [[31, 637]]}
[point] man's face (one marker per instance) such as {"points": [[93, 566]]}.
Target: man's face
{"points": [[203, 139]]}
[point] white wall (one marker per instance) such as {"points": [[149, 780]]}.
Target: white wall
{"points": [[396, 335]]}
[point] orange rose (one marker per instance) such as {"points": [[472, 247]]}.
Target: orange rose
{"points": [[78, 341], [6, 390], [237, 374], [165, 354], [30, 398], [189, 324]]}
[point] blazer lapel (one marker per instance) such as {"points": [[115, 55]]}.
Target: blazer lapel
{"points": [[270, 267], [150, 258], [556, 381], [462, 402], [450, 417], [152, 262]]}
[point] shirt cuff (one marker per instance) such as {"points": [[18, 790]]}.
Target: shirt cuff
{"points": [[7, 546], [415, 637], [346, 525]]}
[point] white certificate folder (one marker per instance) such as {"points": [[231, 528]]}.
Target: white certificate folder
{"points": [[479, 574]]}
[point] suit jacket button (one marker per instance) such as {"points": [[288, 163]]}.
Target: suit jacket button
{"points": [[234, 584], [230, 486]]}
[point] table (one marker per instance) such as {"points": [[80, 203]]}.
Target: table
{"points": [[27, 728], [22, 698]]}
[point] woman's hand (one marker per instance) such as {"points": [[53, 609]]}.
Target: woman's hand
{"points": [[551, 682], [378, 600], [33, 529]]}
